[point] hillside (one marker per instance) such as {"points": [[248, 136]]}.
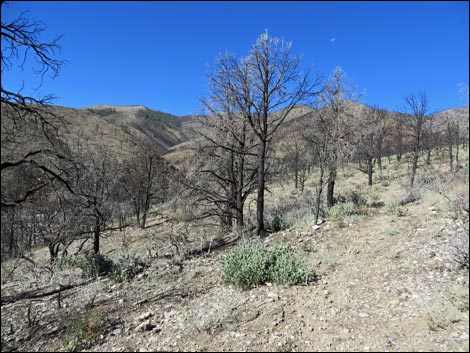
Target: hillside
{"points": [[384, 281]]}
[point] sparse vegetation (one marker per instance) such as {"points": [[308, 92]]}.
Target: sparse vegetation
{"points": [[83, 332], [397, 210], [125, 228], [251, 265], [95, 265]]}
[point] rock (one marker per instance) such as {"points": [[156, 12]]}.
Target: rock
{"points": [[421, 231], [363, 315], [145, 326], [464, 337], [273, 296], [156, 329], [315, 227], [144, 316], [116, 332], [169, 314]]}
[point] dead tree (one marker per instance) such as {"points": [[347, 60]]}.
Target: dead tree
{"points": [[335, 118], [416, 118]]}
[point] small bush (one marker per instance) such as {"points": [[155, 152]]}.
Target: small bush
{"points": [[250, 265], [246, 266], [341, 210], [95, 265], [339, 199], [375, 201], [287, 212], [385, 183], [413, 195], [276, 223], [348, 175], [397, 210], [357, 198], [65, 262], [460, 251], [286, 266], [82, 333], [126, 268]]}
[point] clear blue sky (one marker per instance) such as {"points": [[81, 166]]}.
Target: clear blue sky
{"points": [[157, 53]]}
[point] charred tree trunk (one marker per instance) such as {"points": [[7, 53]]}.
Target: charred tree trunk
{"points": [[370, 171], [96, 237], [331, 187], [260, 230], [318, 196]]}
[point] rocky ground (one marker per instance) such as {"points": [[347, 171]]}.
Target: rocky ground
{"points": [[383, 283]]}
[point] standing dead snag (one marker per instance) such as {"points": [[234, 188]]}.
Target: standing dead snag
{"points": [[417, 121], [255, 94], [334, 121]]}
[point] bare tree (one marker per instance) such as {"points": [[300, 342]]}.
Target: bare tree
{"points": [[295, 157], [278, 86], [144, 179], [261, 90], [335, 118], [417, 120], [24, 117], [373, 130]]}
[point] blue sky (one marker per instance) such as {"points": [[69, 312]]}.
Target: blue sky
{"points": [[158, 54]]}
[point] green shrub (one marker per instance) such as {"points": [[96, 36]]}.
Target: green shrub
{"points": [[250, 265], [375, 201], [82, 333], [94, 265], [358, 199], [385, 183], [397, 209], [339, 199], [286, 266], [246, 266], [348, 175], [341, 210], [413, 195], [276, 223], [126, 268], [65, 262]]}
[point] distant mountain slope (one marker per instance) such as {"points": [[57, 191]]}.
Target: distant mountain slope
{"points": [[162, 128]]}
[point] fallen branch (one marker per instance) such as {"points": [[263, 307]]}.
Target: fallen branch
{"points": [[35, 295]]}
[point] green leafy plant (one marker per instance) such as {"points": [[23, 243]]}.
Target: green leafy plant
{"points": [[83, 332], [65, 262], [397, 209], [385, 183], [375, 201], [250, 265], [95, 265], [286, 267], [126, 268], [358, 199], [246, 266]]}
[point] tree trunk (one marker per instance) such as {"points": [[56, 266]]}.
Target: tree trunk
{"points": [[379, 164], [239, 196], [260, 231], [96, 238], [370, 171], [331, 187], [451, 158], [318, 196], [414, 166]]}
